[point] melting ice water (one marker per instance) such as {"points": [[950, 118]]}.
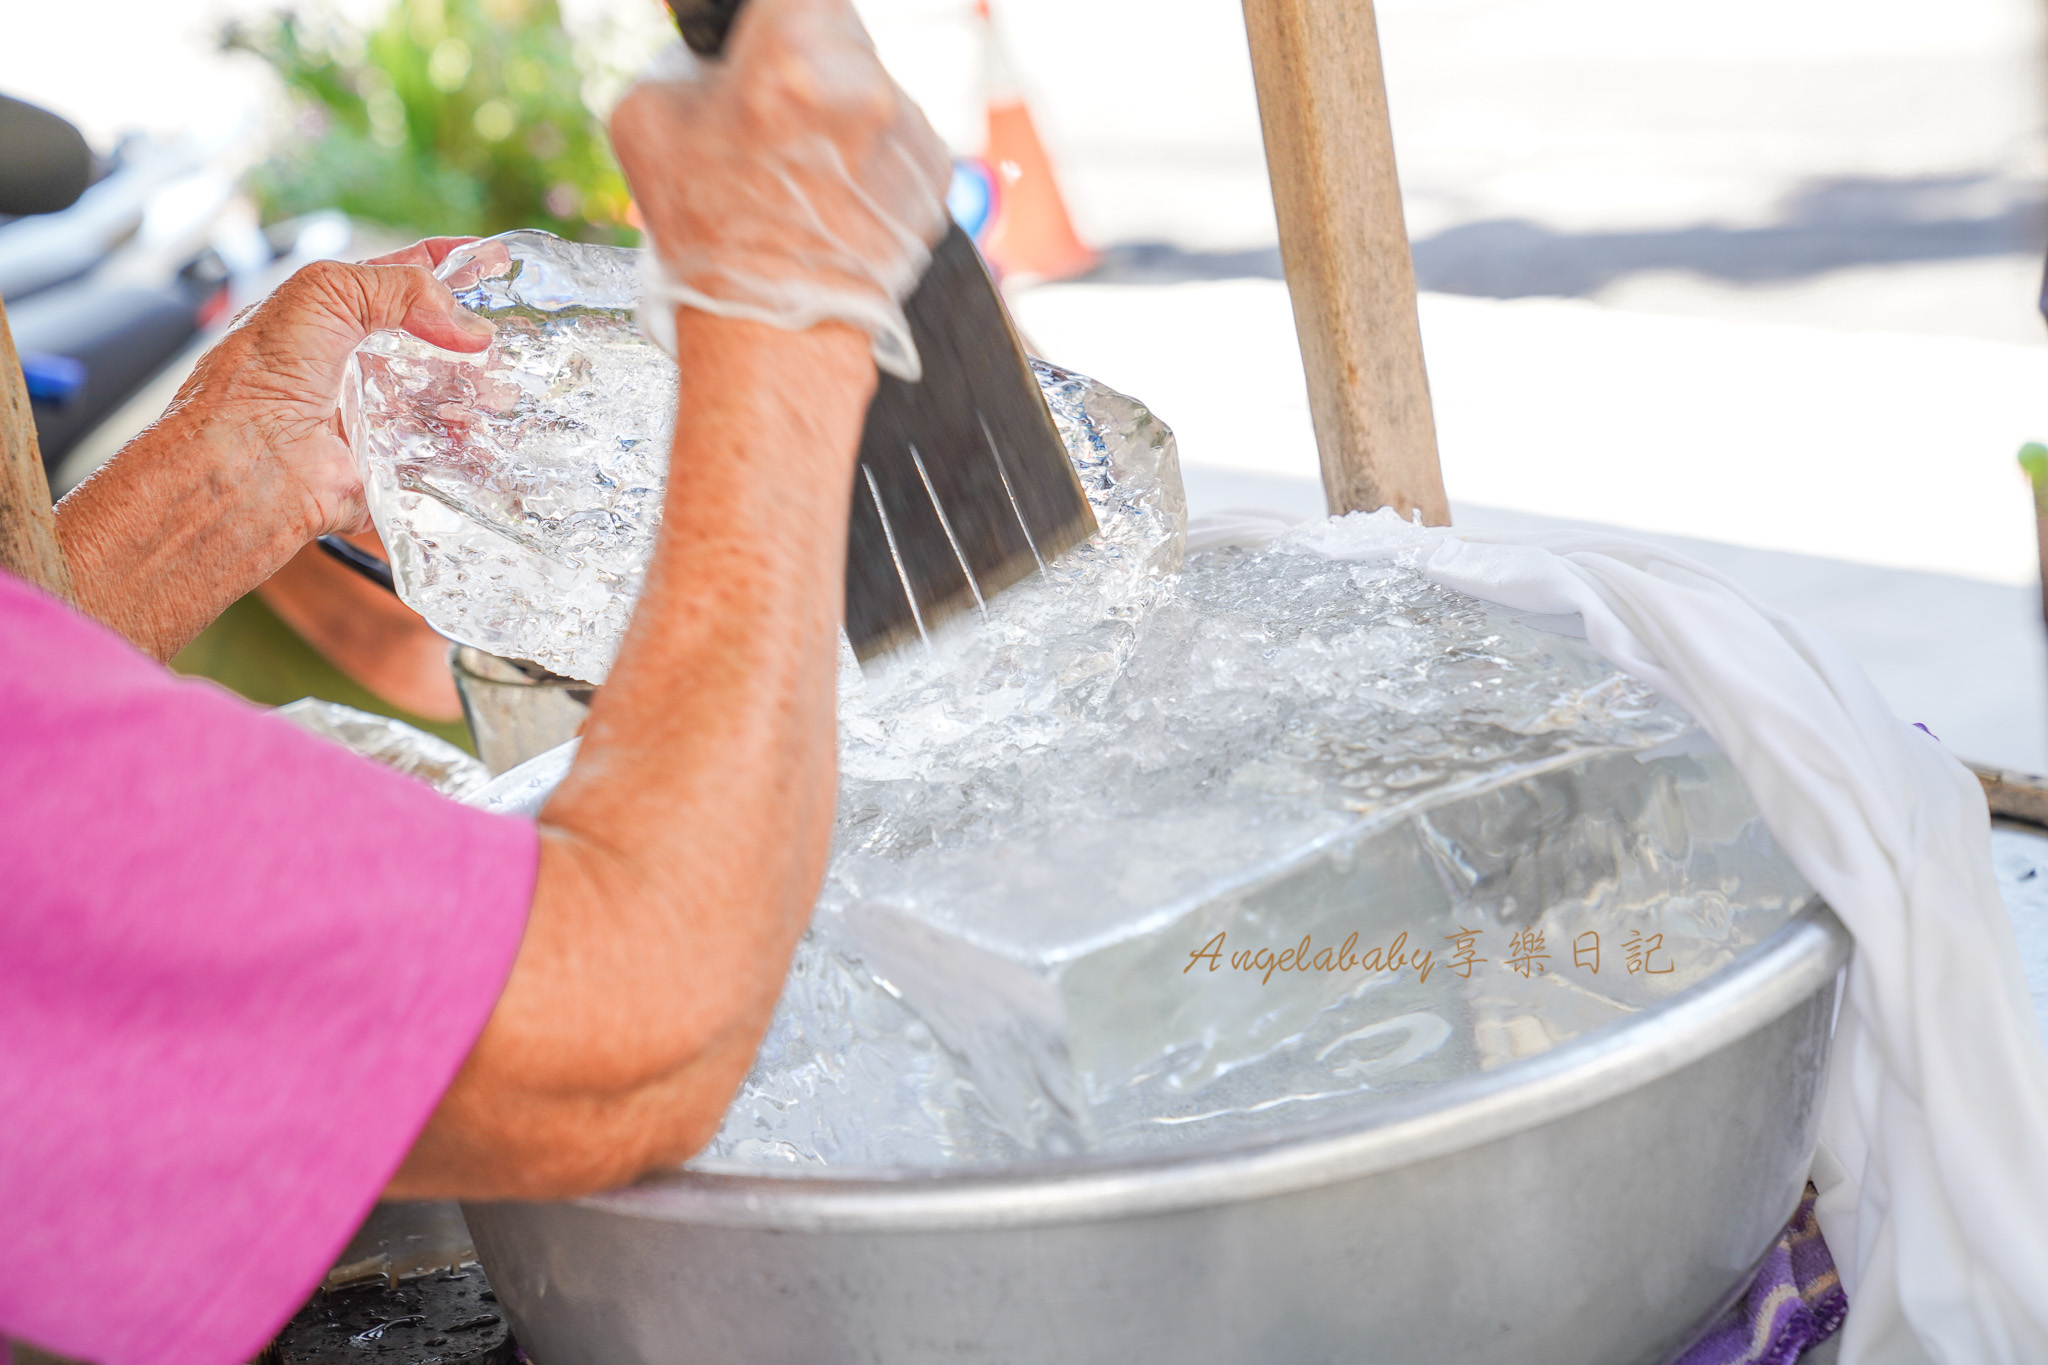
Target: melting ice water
{"points": [[1500, 841]]}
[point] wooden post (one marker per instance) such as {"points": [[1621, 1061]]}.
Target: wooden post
{"points": [[28, 530], [1330, 151]]}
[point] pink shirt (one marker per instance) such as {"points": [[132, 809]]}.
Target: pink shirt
{"points": [[238, 966]]}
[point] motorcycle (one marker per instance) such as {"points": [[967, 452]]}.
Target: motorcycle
{"points": [[117, 269]]}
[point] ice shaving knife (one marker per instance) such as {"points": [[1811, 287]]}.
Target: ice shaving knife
{"points": [[964, 487]]}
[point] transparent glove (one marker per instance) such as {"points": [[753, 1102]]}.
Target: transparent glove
{"points": [[790, 182]]}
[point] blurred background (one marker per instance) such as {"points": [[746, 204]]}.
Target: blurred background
{"points": [[1761, 280]]}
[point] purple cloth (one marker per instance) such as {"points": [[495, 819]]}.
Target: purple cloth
{"points": [[1795, 1303], [238, 967]]}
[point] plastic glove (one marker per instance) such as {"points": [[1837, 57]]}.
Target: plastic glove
{"points": [[789, 182]]}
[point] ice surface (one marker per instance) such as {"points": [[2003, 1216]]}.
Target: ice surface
{"points": [[393, 743], [519, 493]]}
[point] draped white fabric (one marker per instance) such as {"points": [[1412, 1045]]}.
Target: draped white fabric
{"points": [[1934, 1128]]}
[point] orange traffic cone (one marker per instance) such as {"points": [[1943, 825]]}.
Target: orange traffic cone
{"points": [[1033, 237]]}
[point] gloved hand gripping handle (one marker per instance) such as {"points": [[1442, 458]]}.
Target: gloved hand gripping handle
{"points": [[964, 485]]}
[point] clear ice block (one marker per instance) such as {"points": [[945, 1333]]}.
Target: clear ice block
{"points": [[1041, 830]]}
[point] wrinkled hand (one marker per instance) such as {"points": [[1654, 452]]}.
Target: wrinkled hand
{"points": [[790, 182], [272, 383], [248, 464]]}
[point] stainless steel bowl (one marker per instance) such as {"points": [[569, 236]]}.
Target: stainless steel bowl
{"points": [[1593, 1204], [516, 709]]}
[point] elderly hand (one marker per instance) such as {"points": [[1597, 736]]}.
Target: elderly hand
{"points": [[789, 182], [248, 464]]}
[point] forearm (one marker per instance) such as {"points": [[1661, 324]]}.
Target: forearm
{"points": [[173, 529], [681, 857], [733, 653]]}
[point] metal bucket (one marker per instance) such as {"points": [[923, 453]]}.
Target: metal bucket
{"points": [[1594, 1205], [516, 709]]}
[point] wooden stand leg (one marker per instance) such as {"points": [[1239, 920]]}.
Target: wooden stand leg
{"points": [[28, 530], [1330, 149]]}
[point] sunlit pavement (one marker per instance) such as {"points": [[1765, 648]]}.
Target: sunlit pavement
{"points": [[1762, 283]]}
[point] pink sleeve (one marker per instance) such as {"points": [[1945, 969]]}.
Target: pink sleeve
{"points": [[238, 966]]}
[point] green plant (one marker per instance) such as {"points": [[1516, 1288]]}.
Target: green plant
{"points": [[2034, 459], [450, 116]]}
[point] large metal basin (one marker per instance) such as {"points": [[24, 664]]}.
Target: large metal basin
{"points": [[1591, 1205]]}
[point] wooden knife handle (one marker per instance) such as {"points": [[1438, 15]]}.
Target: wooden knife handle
{"points": [[705, 23]]}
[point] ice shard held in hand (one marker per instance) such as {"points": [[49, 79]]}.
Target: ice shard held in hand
{"points": [[519, 492]]}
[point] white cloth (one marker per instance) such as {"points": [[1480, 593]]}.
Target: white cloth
{"points": [[1934, 1127]]}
